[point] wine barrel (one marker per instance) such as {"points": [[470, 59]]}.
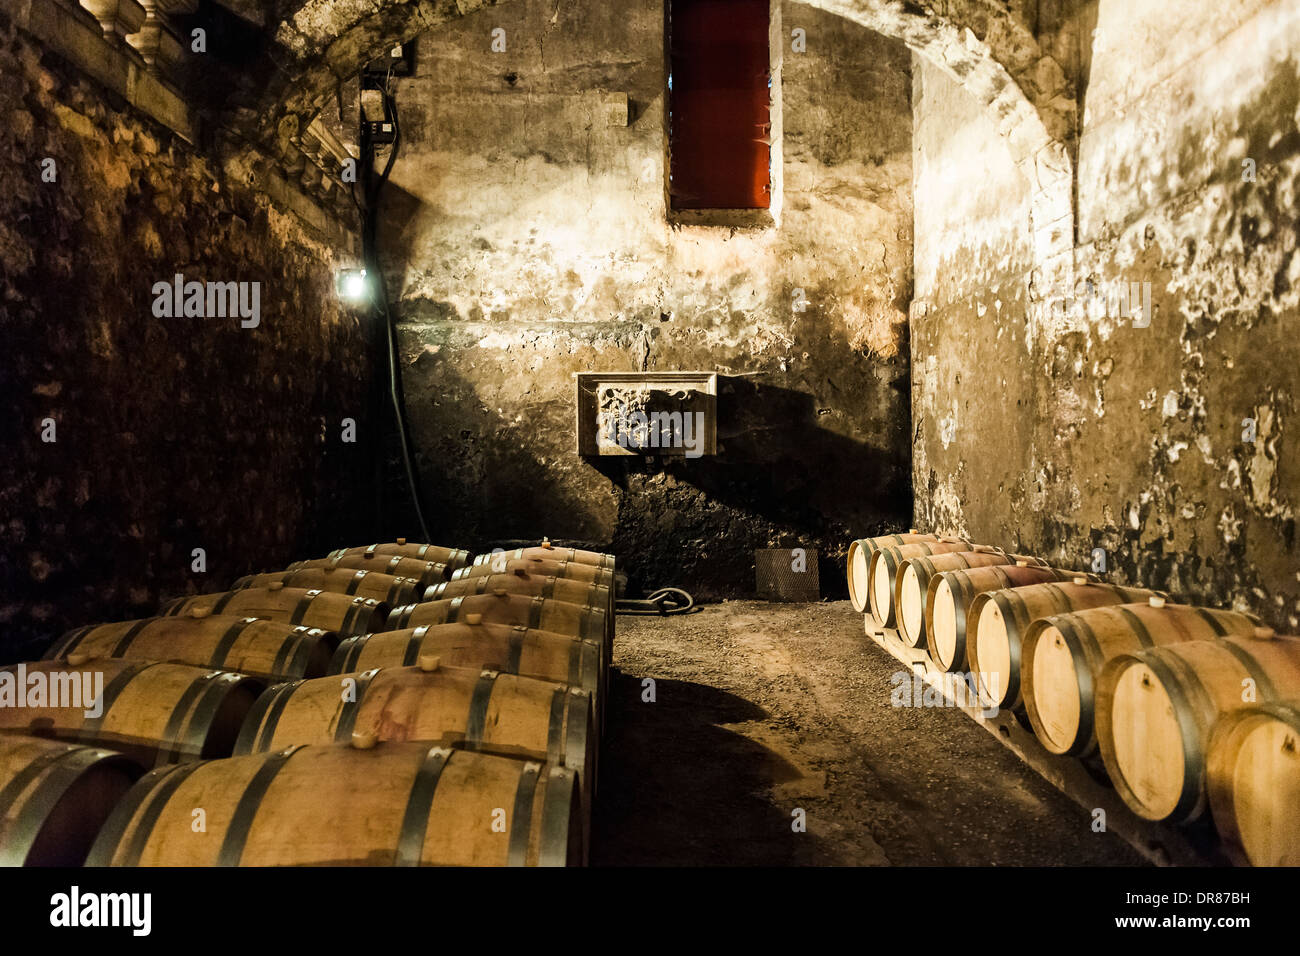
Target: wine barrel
{"points": [[997, 621], [521, 582], [951, 593], [426, 572], [1157, 707], [250, 645], [453, 558], [550, 552], [481, 710], [275, 602], [884, 565], [153, 713], [385, 588], [859, 562], [1253, 777], [54, 797], [527, 652], [560, 569], [913, 580], [501, 607], [1065, 653], [397, 804]]}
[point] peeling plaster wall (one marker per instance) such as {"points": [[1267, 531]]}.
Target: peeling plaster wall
{"points": [[529, 241], [170, 433], [1135, 440]]}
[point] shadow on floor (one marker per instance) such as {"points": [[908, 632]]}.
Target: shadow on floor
{"points": [[677, 789]]}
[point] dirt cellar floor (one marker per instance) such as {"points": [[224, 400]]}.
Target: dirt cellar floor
{"points": [[763, 709]]}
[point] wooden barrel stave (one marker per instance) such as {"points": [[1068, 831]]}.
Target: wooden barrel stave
{"points": [[54, 797], [152, 712], [385, 588], [549, 552], [397, 804], [858, 563], [912, 581], [426, 572], [454, 558], [534, 585], [884, 565], [314, 608], [560, 569], [579, 620], [249, 645]]}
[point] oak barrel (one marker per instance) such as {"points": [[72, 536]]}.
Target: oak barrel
{"points": [[550, 552], [1064, 656], [951, 594], [997, 621], [884, 565], [1157, 707], [1253, 777], [54, 797], [426, 572], [521, 582], [250, 645], [386, 588], [153, 713], [912, 582], [395, 804], [859, 562], [314, 608], [452, 557], [560, 569], [501, 607]]}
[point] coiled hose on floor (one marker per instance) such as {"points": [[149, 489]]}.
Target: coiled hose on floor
{"points": [[663, 602]]}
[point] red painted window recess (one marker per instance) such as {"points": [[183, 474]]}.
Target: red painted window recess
{"points": [[719, 95]]}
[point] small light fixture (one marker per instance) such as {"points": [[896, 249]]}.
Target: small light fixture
{"points": [[353, 286]]}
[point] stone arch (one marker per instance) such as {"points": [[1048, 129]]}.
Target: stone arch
{"points": [[984, 46]]}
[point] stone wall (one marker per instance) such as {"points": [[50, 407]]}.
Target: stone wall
{"points": [[1166, 447], [529, 241], [168, 434]]}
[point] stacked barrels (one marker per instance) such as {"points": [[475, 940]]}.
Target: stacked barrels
{"points": [[391, 704], [1191, 711]]}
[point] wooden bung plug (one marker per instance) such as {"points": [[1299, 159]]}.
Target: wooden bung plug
{"points": [[1156, 600], [1021, 563], [429, 662], [368, 555], [76, 660], [401, 541], [275, 586], [1259, 634], [1079, 579], [364, 739], [474, 618], [200, 611], [500, 592], [521, 572]]}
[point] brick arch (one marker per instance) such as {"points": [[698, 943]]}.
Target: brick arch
{"points": [[982, 45]]}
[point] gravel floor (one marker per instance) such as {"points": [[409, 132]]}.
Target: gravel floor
{"points": [[760, 710]]}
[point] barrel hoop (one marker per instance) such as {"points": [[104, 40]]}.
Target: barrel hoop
{"points": [[535, 611], [548, 588], [253, 720], [434, 592], [415, 821], [1215, 624], [304, 603], [476, 721], [205, 711], [227, 641], [1136, 623], [516, 649], [347, 653], [372, 549], [352, 619], [412, 654], [1179, 690], [424, 549], [1263, 682], [223, 601], [575, 735], [168, 745], [453, 609], [355, 582], [555, 727], [479, 585], [63, 773], [349, 708], [232, 847], [1085, 653], [395, 591], [273, 712], [149, 804], [70, 640], [290, 641], [129, 637], [521, 818], [19, 781], [302, 652], [575, 661], [110, 694], [554, 848]]}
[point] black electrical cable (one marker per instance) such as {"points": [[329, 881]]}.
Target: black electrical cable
{"points": [[370, 253]]}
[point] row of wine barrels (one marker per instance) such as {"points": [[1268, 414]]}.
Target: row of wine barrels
{"points": [[385, 588], [1157, 707], [152, 712], [885, 563], [482, 710], [859, 562], [951, 594], [913, 584], [314, 608], [55, 797], [250, 645], [396, 804], [998, 622], [522, 582], [1253, 779], [589, 622], [1064, 655], [453, 558], [426, 572], [550, 552], [499, 564]]}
